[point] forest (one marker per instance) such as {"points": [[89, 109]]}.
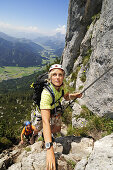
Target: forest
{"points": [[16, 104]]}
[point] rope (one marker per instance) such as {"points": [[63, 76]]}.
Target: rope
{"points": [[89, 86]]}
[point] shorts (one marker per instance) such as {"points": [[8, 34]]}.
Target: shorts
{"points": [[28, 136], [55, 124], [56, 120]]}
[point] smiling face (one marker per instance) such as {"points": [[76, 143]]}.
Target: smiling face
{"points": [[57, 76]]}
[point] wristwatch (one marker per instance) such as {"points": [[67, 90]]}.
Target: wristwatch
{"points": [[48, 145]]}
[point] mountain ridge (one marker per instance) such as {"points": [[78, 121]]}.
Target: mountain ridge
{"points": [[25, 52], [18, 54]]}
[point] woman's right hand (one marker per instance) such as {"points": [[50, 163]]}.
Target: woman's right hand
{"points": [[21, 142], [50, 161]]}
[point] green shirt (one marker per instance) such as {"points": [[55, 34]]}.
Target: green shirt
{"points": [[46, 98]]}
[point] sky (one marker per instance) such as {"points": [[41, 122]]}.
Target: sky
{"points": [[45, 17]]}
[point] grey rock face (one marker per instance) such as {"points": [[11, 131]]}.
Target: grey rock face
{"points": [[33, 157], [101, 158], [99, 97], [79, 16], [99, 40]]}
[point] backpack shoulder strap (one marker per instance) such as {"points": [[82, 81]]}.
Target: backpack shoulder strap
{"points": [[51, 93], [59, 98], [31, 128], [62, 93]]}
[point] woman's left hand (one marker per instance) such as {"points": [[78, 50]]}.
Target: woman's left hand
{"points": [[75, 96], [78, 95]]}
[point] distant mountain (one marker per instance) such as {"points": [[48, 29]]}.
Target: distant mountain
{"points": [[7, 37], [53, 42], [24, 52], [15, 53], [58, 52], [21, 40]]}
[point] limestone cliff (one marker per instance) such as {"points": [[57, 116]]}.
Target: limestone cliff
{"points": [[89, 52], [79, 17]]}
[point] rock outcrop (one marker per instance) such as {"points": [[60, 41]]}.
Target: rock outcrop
{"points": [[90, 52], [99, 97], [71, 153], [68, 151], [101, 157], [79, 17]]}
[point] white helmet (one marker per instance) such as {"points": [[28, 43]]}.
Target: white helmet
{"points": [[56, 66]]}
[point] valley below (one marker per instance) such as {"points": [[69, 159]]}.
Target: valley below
{"points": [[7, 73]]}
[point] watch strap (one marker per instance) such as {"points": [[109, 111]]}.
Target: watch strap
{"points": [[48, 145]]}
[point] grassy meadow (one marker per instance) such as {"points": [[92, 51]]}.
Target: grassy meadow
{"points": [[16, 72]]}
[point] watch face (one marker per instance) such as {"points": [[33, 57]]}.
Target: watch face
{"points": [[47, 145]]}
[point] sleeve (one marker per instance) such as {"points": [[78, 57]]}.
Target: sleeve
{"points": [[33, 127], [23, 131], [46, 100]]}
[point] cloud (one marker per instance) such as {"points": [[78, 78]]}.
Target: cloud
{"points": [[7, 26], [61, 29], [15, 30]]}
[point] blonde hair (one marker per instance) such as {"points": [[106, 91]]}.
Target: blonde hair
{"points": [[52, 72]]}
